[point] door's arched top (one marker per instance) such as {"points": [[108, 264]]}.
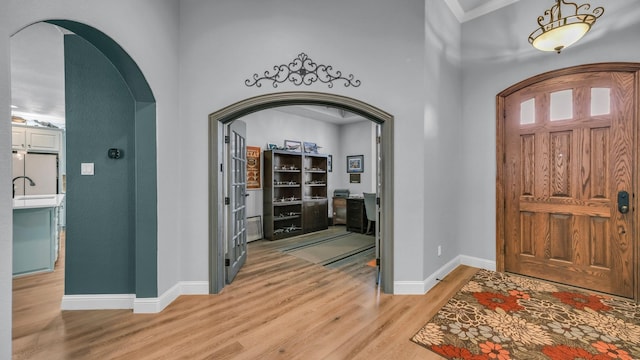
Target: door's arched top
{"points": [[273, 100], [609, 67]]}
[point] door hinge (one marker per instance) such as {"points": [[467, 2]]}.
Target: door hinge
{"points": [[227, 262], [378, 139], [226, 139], [227, 201], [221, 167], [378, 201]]}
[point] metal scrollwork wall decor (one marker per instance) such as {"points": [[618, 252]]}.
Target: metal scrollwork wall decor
{"points": [[303, 71]]}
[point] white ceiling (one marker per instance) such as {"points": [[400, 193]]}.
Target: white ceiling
{"points": [[37, 69], [37, 73]]}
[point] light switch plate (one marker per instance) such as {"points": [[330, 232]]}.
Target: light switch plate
{"points": [[86, 169]]}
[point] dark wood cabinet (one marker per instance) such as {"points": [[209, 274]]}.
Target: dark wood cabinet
{"points": [[295, 194], [339, 211], [315, 215], [356, 215]]}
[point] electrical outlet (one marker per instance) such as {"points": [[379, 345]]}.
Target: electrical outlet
{"points": [[439, 250]]}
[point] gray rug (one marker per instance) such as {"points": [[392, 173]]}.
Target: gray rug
{"points": [[332, 249]]}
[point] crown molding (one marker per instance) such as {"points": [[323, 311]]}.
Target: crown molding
{"points": [[488, 7]]}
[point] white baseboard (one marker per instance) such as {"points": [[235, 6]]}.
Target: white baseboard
{"points": [[194, 287], [129, 301], [408, 287], [421, 287], [97, 302], [478, 262], [156, 305]]}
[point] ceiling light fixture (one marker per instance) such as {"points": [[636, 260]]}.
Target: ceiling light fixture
{"points": [[556, 32]]}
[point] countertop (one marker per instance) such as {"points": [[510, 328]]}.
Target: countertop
{"points": [[37, 201]]}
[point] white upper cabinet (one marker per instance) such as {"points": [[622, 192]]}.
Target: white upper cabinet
{"points": [[35, 139]]}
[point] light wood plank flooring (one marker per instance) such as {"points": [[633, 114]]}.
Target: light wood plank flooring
{"points": [[279, 307]]}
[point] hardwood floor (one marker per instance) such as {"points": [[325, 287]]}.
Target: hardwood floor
{"points": [[279, 307]]}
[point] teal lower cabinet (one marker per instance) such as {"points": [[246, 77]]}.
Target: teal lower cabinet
{"points": [[35, 234], [33, 240]]}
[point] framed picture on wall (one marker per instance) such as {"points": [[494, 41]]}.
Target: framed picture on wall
{"points": [[355, 163], [292, 145], [310, 148], [253, 168]]}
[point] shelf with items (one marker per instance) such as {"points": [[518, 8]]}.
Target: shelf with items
{"points": [[282, 194], [315, 177], [295, 193], [315, 204]]}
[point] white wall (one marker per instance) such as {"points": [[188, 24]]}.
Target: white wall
{"points": [[222, 43], [441, 134], [6, 211], [356, 139], [496, 55]]}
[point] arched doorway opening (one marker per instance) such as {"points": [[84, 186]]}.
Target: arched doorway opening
{"points": [[138, 261], [219, 119]]}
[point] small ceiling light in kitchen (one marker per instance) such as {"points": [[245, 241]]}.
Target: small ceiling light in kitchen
{"points": [[557, 32]]}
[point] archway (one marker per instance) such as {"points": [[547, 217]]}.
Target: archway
{"points": [[222, 117], [143, 195]]}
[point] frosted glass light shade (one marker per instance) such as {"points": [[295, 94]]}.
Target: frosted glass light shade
{"points": [[561, 37], [557, 32]]}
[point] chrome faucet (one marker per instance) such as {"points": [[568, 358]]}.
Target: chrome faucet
{"points": [[13, 182]]}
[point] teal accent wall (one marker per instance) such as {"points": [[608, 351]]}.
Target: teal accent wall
{"points": [[100, 114], [146, 201], [141, 257]]}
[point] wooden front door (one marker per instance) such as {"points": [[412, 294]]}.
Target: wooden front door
{"points": [[569, 149]]}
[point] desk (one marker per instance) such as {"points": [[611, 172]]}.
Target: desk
{"points": [[356, 215]]}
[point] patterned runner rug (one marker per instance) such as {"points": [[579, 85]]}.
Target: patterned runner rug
{"points": [[503, 316]]}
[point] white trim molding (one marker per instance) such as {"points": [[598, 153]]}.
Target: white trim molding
{"points": [[156, 305], [129, 301], [487, 7], [97, 302], [422, 287]]}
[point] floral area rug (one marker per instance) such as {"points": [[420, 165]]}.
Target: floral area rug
{"points": [[503, 316]]}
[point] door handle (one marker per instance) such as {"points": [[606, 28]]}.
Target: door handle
{"points": [[623, 202]]}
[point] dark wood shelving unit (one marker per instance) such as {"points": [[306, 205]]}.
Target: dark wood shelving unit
{"points": [[295, 194]]}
